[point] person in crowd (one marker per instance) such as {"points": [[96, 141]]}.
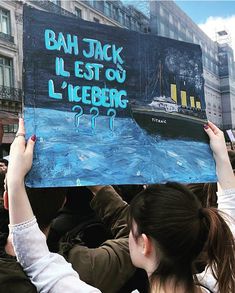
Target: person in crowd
{"points": [[3, 166], [45, 203], [12, 277], [160, 240], [206, 193], [51, 272], [77, 222], [3, 171], [169, 228], [112, 257], [110, 253]]}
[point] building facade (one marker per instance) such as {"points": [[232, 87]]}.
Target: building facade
{"points": [[168, 20]]}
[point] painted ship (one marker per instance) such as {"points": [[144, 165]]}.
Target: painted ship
{"points": [[164, 117]]}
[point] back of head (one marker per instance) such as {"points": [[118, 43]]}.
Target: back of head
{"points": [[45, 203], [169, 214], [172, 216]]}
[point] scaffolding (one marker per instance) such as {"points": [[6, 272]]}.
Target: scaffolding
{"points": [[223, 37]]}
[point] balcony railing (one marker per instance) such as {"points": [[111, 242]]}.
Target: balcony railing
{"points": [[10, 93], [6, 37], [52, 7]]}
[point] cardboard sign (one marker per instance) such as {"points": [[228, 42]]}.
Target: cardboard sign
{"points": [[112, 106]]}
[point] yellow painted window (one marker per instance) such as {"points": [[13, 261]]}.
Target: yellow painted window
{"points": [[192, 102], [174, 92], [183, 98], [198, 105]]}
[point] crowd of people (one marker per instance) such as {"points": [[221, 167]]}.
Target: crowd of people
{"points": [[161, 238]]}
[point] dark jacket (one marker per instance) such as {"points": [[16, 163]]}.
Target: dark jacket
{"points": [[109, 266], [13, 278]]}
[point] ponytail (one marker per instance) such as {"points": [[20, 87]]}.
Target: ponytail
{"points": [[220, 247]]}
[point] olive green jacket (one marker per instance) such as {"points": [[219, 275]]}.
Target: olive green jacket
{"points": [[109, 266]]}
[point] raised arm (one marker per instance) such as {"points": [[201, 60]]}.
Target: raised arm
{"points": [[49, 272], [112, 209], [224, 169], [226, 192], [19, 164]]}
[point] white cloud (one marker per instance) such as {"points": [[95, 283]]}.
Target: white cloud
{"points": [[215, 24]]}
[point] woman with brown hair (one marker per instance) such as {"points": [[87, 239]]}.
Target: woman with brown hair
{"points": [[169, 228]]}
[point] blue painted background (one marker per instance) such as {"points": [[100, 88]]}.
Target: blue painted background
{"points": [[66, 155]]}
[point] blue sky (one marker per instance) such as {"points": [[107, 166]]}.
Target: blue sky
{"points": [[212, 16], [199, 11]]}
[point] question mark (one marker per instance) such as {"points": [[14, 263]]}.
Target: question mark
{"points": [[78, 115], [93, 118], [111, 120]]}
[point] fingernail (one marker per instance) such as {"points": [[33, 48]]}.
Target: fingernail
{"points": [[33, 137], [206, 126]]}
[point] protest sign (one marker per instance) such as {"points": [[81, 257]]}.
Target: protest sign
{"points": [[112, 106]]}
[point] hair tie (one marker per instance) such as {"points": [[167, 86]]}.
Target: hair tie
{"points": [[201, 214]]}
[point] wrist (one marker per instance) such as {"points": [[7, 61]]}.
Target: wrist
{"points": [[15, 185], [222, 158]]}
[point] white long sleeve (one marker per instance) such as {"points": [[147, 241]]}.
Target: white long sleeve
{"points": [[49, 272], [226, 203]]}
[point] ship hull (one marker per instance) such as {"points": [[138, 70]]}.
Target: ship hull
{"points": [[171, 125]]}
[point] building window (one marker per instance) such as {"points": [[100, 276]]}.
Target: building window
{"points": [[183, 33], [115, 13], [78, 12], [128, 21], [161, 11], [96, 20], [107, 8], [6, 71], [170, 18], [162, 28], [121, 17], [172, 35], [179, 26], [189, 36], [5, 22], [57, 2], [11, 128], [138, 26]]}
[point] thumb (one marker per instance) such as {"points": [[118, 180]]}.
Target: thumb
{"points": [[30, 144]]}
